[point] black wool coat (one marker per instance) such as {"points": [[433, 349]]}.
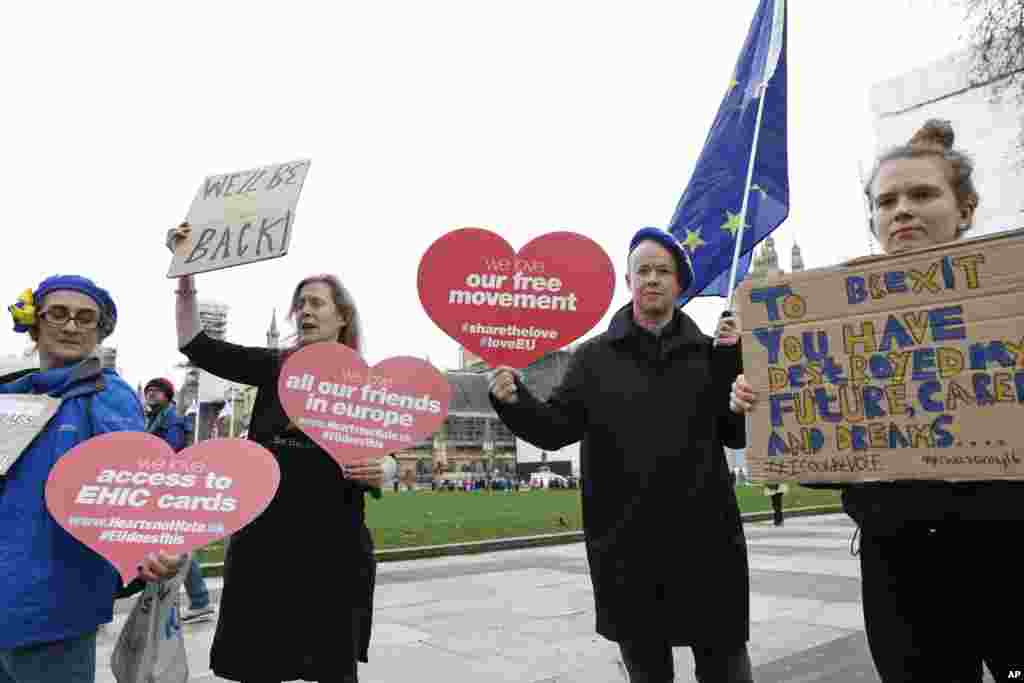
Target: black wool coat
{"points": [[664, 539]]}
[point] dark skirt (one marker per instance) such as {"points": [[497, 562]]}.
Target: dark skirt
{"points": [[294, 605]]}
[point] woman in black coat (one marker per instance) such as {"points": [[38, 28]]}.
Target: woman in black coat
{"points": [[931, 551], [270, 628]]}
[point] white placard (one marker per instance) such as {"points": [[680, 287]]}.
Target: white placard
{"points": [[240, 218], [22, 418]]}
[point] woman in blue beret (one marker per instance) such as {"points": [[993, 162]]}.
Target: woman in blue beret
{"points": [[55, 591]]}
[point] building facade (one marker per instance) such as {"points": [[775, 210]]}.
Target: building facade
{"points": [[108, 357], [213, 316], [208, 391], [473, 441], [986, 126], [273, 336]]}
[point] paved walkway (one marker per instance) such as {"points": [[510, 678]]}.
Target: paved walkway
{"points": [[526, 616]]}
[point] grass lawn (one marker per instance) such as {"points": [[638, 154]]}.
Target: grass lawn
{"points": [[752, 498], [434, 518]]}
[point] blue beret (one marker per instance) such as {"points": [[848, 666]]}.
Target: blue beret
{"points": [[683, 267], [82, 285]]}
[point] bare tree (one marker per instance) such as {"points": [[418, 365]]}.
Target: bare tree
{"points": [[997, 48], [997, 42]]}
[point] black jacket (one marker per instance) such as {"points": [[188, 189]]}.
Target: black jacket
{"points": [[890, 507], [667, 554]]}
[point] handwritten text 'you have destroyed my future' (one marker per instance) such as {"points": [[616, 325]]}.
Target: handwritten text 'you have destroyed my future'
{"points": [[895, 381]]}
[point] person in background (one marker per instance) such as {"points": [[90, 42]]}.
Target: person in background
{"points": [[929, 550], [56, 591], [775, 493], [162, 420], [162, 413]]}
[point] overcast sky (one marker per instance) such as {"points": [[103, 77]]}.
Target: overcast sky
{"points": [[419, 118]]}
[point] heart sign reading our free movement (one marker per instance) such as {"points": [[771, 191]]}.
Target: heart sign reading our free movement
{"points": [[355, 412], [128, 494], [511, 308]]}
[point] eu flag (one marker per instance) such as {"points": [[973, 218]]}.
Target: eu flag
{"points": [[708, 217]]}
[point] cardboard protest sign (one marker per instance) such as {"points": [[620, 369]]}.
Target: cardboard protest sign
{"points": [[510, 308], [901, 367], [355, 412], [127, 494], [240, 218], [22, 418]]}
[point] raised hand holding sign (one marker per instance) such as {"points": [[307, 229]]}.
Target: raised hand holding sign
{"points": [[240, 218], [510, 308]]}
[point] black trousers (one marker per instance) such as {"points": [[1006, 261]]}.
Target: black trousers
{"points": [[939, 601], [648, 662], [777, 508]]}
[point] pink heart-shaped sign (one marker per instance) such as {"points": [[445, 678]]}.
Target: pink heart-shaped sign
{"points": [[354, 411], [510, 308], [127, 494]]}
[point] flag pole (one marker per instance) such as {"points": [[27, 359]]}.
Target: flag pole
{"points": [[778, 19], [746, 199]]}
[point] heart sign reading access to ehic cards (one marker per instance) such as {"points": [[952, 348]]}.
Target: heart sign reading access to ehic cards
{"points": [[127, 494], [511, 308], [355, 412]]}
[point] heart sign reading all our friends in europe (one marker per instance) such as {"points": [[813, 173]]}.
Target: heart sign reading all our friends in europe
{"points": [[508, 307], [354, 411], [128, 494]]}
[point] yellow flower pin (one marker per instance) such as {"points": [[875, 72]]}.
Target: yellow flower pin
{"points": [[23, 312]]}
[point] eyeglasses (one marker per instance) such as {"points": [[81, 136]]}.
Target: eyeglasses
{"points": [[58, 316]]}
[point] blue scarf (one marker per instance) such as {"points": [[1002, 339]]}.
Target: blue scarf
{"points": [[53, 382]]}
